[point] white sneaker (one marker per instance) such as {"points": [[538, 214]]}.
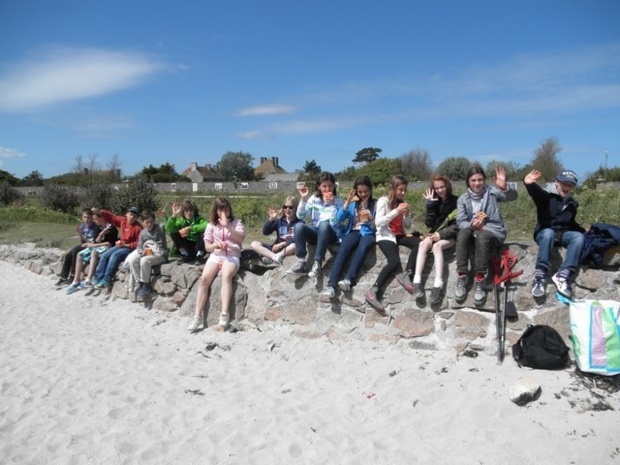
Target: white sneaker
{"points": [[223, 320], [344, 285], [329, 292], [278, 258], [316, 270], [563, 286], [194, 324]]}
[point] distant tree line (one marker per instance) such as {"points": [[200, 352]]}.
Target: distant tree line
{"points": [[416, 165]]}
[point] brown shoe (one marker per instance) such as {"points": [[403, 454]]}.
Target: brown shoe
{"points": [[371, 298], [403, 280]]}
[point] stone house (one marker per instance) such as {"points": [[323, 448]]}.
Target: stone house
{"points": [[206, 173]]}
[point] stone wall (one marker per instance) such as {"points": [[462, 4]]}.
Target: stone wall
{"points": [[268, 297]]}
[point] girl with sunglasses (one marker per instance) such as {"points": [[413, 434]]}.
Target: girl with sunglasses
{"points": [[282, 222]]}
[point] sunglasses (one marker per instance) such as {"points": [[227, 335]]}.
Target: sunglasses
{"points": [[287, 207]]}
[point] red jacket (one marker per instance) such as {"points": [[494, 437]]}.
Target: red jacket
{"points": [[129, 233]]}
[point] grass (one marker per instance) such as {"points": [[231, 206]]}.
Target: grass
{"points": [[46, 228]]}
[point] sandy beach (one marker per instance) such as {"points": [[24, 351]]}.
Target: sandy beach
{"points": [[89, 380]]}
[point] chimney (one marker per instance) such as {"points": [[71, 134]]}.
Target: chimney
{"points": [[208, 166], [193, 166], [262, 160], [276, 161]]}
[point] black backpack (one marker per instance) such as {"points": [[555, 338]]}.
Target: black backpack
{"points": [[541, 346]]}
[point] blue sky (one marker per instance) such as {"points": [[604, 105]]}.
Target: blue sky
{"points": [[184, 81]]}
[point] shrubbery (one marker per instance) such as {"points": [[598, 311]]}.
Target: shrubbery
{"points": [[9, 195], [137, 192], [98, 195], [59, 198]]}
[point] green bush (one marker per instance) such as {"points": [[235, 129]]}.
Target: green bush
{"points": [[98, 195], [59, 198], [9, 195], [137, 192]]}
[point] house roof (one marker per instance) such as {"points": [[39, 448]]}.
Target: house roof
{"points": [[268, 167], [207, 172]]}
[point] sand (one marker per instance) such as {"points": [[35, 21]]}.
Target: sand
{"points": [[89, 380]]}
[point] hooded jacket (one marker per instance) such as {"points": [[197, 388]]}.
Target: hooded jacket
{"points": [[552, 210], [490, 206]]}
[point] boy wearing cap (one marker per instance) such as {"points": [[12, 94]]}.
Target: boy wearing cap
{"points": [[129, 231], [556, 209]]}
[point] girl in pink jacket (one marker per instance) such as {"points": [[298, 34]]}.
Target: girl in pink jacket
{"points": [[223, 241]]}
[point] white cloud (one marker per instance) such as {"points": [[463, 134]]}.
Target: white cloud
{"points": [[66, 74], [544, 83], [10, 153], [102, 126], [266, 110], [252, 135]]}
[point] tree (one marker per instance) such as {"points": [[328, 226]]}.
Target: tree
{"points": [[381, 170], [92, 164], [347, 174], [33, 179], [311, 167], [455, 168], [309, 171], [7, 177], [237, 166], [513, 170], [545, 159], [164, 173], [114, 168], [367, 155], [417, 165]]}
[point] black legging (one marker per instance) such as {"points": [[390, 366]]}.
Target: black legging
{"points": [[191, 247], [390, 250], [68, 264]]}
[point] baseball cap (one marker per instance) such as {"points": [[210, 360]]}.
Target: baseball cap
{"points": [[567, 176], [133, 210]]}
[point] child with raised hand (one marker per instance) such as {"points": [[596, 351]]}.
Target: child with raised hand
{"points": [[223, 241], [152, 250], [556, 212], [186, 228], [481, 228], [440, 218], [282, 222], [324, 228], [110, 260], [358, 213], [392, 220]]}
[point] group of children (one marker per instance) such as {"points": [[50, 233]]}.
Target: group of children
{"points": [[472, 223]]}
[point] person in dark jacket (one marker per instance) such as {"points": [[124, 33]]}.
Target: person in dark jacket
{"points": [[440, 218], [556, 211], [282, 222]]}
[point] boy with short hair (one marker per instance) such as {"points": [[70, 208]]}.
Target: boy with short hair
{"points": [[151, 251], [556, 210], [87, 230]]}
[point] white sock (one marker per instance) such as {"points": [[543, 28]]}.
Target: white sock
{"points": [[417, 279], [438, 283]]}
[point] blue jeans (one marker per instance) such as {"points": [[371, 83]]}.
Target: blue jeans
{"points": [[572, 241], [322, 236], [356, 244], [109, 262]]}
